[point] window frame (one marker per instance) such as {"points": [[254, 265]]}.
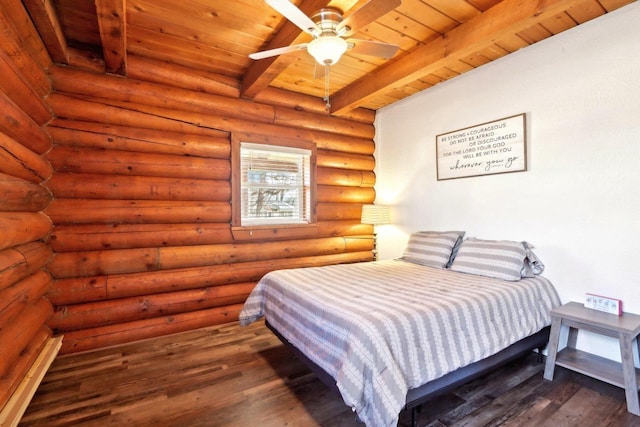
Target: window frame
{"points": [[257, 231]]}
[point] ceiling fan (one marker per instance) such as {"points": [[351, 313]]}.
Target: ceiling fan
{"points": [[329, 30]]}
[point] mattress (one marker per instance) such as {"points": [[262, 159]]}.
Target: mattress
{"points": [[382, 328]]}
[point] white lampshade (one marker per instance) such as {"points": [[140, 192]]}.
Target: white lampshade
{"points": [[327, 50], [375, 214]]}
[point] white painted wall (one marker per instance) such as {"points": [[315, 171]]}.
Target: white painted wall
{"points": [[579, 200]]}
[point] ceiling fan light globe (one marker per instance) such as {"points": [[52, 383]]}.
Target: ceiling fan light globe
{"points": [[327, 50]]}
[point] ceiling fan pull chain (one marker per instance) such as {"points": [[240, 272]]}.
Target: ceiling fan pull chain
{"points": [[326, 88]]}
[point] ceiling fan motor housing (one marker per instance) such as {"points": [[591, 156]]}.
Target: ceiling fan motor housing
{"points": [[327, 19]]}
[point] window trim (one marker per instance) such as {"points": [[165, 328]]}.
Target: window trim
{"points": [[261, 231]]}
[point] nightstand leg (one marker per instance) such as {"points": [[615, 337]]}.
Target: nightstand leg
{"points": [[552, 349], [629, 371], [572, 340]]}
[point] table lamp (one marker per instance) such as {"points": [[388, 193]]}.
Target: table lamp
{"points": [[375, 215]]}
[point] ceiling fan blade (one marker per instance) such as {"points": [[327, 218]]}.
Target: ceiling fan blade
{"points": [[371, 48], [278, 51], [319, 71], [368, 13], [295, 15]]}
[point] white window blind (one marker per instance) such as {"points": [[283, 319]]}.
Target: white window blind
{"points": [[276, 184]]}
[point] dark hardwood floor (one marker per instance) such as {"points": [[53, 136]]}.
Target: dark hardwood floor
{"points": [[243, 376]]}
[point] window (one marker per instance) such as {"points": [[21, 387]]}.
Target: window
{"points": [[273, 183]]}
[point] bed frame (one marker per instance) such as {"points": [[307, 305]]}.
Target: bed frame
{"points": [[417, 396]]}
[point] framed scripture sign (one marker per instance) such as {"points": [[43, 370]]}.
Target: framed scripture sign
{"points": [[489, 148]]}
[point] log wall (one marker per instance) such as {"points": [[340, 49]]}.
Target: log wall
{"points": [[116, 198], [142, 199], [24, 228]]}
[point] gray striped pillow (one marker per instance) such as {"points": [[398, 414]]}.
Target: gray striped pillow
{"points": [[501, 259], [432, 248]]}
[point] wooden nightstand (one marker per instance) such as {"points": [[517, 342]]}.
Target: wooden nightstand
{"points": [[625, 328]]}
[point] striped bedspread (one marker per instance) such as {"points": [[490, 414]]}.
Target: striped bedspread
{"points": [[382, 328]]}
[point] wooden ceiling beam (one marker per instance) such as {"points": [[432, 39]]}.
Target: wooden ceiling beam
{"points": [[113, 23], [44, 17], [505, 18], [261, 73]]}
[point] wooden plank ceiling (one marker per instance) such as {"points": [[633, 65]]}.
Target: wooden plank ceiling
{"points": [[438, 39]]}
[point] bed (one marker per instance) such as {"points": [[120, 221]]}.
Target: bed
{"points": [[391, 334]]}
